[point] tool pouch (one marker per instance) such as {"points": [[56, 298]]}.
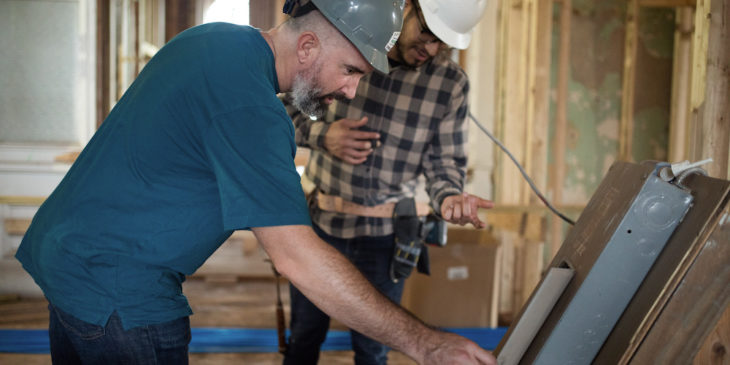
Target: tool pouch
{"points": [[434, 231], [408, 232]]}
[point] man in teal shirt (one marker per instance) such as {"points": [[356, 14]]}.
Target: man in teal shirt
{"points": [[200, 146]]}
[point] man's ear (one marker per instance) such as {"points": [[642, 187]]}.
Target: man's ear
{"points": [[308, 48]]}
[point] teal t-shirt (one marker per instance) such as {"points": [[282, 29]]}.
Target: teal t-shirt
{"points": [[197, 147]]}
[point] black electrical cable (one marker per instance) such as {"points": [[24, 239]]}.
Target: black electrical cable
{"points": [[522, 170]]}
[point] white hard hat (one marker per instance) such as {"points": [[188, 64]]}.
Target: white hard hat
{"points": [[452, 20]]}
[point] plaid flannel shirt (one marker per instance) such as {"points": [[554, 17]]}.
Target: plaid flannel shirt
{"points": [[421, 117]]}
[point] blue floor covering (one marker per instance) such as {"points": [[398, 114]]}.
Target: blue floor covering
{"points": [[32, 341]]}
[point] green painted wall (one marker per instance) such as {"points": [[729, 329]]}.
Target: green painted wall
{"points": [[594, 90]]}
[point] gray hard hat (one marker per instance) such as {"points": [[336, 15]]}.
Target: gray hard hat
{"points": [[373, 26]]}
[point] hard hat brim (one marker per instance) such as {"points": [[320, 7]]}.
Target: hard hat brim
{"points": [[377, 59], [445, 34]]}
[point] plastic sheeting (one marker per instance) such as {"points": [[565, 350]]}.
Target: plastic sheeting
{"points": [[31, 341]]}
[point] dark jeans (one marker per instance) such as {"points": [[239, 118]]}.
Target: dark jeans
{"points": [[309, 325], [74, 341]]}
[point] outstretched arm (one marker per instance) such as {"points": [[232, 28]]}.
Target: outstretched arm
{"points": [[336, 287]]}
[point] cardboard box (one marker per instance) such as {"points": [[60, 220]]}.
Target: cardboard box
{"points": [[462, 290]]}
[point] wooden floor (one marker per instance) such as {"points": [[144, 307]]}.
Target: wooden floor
{"points": [[223, 293], [248, 304]]}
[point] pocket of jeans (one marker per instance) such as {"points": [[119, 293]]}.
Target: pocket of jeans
{"points": [[84, 330], [172, 334]]}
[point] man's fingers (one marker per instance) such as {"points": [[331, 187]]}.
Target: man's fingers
{"points": [[474, 209], [350, 123], [358, 144], [447, 213], [485, 357], [457, 210], [354, 123], [358, 161], [353, 126], [354, 160], [464, 208], [364, 135], [355, 156], [356, 152], [486, 204], [476, 203], [466, 204]]}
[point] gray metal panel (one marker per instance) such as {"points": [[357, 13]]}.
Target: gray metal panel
{"points": [[617, 274], [537, 310]]}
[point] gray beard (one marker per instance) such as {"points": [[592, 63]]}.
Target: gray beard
{"points": [[306, 97]]}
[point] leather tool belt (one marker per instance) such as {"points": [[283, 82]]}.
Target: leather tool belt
{"points": [[331, 203]]}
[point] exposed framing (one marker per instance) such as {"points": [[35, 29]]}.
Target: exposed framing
{"points": [[626, 125], [557, 178]]}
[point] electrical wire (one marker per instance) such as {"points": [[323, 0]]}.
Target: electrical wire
{"points": [[522, 170]]}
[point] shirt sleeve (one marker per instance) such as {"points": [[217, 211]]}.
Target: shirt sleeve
{"points": [[251, 152], [445, 158]]}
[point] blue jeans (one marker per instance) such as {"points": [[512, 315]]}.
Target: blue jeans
{"points": [[74, 341], [309, 325]]}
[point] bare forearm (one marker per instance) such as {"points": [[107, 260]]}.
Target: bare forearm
{"points": [[337, 288]]}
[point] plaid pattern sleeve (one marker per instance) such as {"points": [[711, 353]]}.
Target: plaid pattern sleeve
{"points": [[421, 117]]}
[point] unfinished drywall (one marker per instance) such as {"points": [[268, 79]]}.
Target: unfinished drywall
{"points": [[598, 29]]}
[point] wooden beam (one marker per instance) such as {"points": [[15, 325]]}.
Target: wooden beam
{"points": [[626, 127], [540, 89], [21, 200], [714, 113], [102, 61], [529, 40], [700, 41], [700, 278], [529, 226], [679, 115], [179, 15], [501, 81], [137, 43], [716, 349], [666, 3], [471, 235], [16, 226], [512, 126], [557, 179], [531, 254], [539, 208], [280, 16], [263, 13], [68, 157], [518, 276], [699, 297]]}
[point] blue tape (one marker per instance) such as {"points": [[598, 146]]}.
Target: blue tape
{"points": [[212, 340]]}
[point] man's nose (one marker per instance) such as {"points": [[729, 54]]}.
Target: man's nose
{"points": [[351, 87]]}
